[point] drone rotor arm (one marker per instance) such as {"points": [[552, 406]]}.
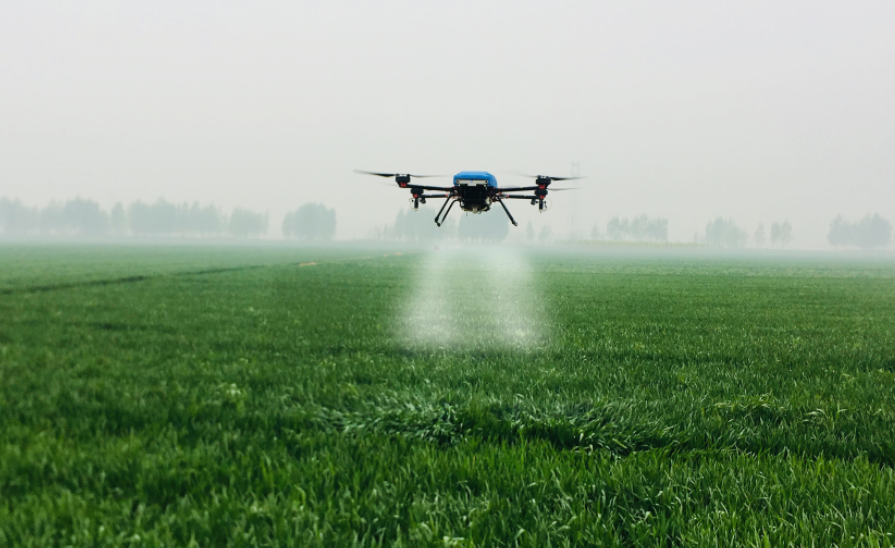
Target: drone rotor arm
{"points": [[517, 189], [435, 188]]}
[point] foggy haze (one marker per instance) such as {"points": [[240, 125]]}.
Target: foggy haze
{"points": [[760, 111]]}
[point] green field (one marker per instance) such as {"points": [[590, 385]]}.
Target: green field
{"points": [[169, 396]]}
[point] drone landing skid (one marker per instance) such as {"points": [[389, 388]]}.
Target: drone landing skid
{"points": [[512, 220], [445, 213]]}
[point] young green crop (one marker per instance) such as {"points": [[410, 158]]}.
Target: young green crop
{"points": [[664, 399]]}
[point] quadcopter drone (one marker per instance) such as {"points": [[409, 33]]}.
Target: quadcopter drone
{"points": [[476, 191]]}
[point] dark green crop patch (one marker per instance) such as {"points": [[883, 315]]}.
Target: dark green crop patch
{"points": [[237, 397]]}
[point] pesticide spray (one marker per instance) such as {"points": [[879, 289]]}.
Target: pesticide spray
{"points": [[481, 297]]}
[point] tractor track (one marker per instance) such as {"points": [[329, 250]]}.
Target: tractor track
{"points": [[146, 277]]}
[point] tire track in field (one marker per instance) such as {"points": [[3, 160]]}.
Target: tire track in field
{"points": [[146, 277], [122, 280]]}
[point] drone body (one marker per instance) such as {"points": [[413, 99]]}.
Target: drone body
{"points": [[475, 191]]}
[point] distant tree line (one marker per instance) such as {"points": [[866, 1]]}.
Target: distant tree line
{"points": [[869, 232], [416, 226], [419, 226], [310, 222], [638, 229], [781, 234], [82, 217], [725, 233], [544, 236]]}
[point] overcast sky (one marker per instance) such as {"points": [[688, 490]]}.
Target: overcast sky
{"points": [[759, 111]]}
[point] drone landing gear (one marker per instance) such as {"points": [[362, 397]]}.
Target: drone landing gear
{"points": [[442, 209], [512, 220], [437, 222]]}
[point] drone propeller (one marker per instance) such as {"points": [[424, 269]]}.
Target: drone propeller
{"points": [[542, 177], [392, 174], [404, 181], [540, 190]]}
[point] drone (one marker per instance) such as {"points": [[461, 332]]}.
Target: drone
{"points": [[475, 191]]}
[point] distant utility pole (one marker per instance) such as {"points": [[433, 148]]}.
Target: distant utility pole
{"points": [[574, 172]]}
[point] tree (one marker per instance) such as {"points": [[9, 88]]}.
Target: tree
{"points": [[417, 226], [159, 219], [657, 229], [118, 220], [140, 216], [840, 232], [785, 233], [247, 224], [781, 234], [530, 232], [52, 220], [16, 218], [639, 229], [546, 234], [874, 232], [595, 233], [209, 220], [868, 233], [760, 237], [85, 217], [311, 221], [166, 219], [724, 233], [616, 229]]}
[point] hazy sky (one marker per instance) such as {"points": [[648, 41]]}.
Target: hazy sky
{"points": [[760, 111]]}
